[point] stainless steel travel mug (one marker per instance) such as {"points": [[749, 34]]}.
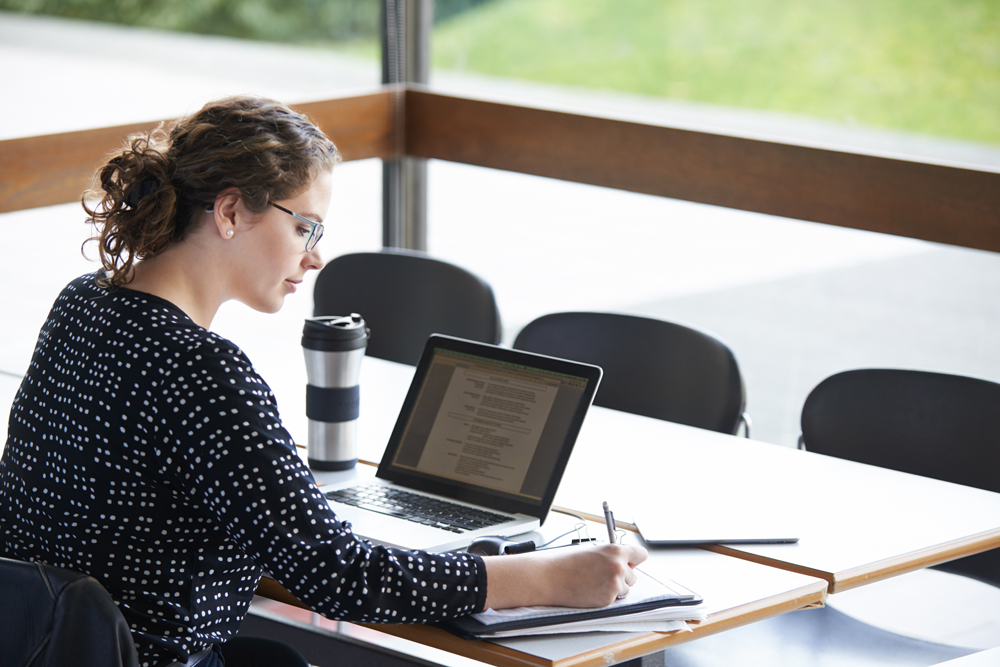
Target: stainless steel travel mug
{"points": [[333, 348]]}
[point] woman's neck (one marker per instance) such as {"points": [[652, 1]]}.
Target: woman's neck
{"points": [[184, 278]]}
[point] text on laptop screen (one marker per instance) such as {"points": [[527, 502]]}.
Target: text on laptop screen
{"points": [[489, 423]]}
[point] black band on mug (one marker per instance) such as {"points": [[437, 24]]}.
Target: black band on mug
{"points": [[317, 464], [332, 405]]}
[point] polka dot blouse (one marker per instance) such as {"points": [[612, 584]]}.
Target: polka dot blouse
{"points": [[147, 452]]}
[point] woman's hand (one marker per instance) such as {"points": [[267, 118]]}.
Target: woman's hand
{"points": [[584, 576]]}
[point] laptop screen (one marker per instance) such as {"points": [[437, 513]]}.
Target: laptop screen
{"points": [[483, 422]]}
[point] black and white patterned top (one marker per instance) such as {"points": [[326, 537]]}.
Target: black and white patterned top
{"points": [[147, 452]]}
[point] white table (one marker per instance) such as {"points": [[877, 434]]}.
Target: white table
{"points": [[736, 592], [856, 523]]}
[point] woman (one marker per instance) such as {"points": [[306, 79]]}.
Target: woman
{"points": [[145, 450]]}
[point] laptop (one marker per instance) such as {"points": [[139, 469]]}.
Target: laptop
{"points": [[479, 448]]}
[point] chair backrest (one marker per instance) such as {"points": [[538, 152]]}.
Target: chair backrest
{"points": [[651, 367], [50, 616], [404, 297], [929, 424]]}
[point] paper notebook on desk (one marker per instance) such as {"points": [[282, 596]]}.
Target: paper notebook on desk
{"points": [[649, 599]]}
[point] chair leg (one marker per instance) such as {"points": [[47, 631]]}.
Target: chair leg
{"points": [[652, 660]]}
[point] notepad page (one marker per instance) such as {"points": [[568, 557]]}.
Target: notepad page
{"points": [[597, 625], [646, 589]]}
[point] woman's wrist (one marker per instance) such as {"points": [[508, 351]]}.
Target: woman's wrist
{"points": [[571, 577], [517, 580]]}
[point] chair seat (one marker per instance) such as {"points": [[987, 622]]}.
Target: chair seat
{"points": [[931, 424], [965, 612], [811, 638], [924, 423], [51, 616]]}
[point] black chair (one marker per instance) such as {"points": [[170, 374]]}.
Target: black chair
{"points": [[929, 424], [51, 617], [810, 638], [651, 367], [405, 296]]}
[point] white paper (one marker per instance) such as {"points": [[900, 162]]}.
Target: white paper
{"points": [[488, 429], [596, 625], [646, 588], [664, 619]]}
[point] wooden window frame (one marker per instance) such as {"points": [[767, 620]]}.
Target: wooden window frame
{"points": [[922, 200]]}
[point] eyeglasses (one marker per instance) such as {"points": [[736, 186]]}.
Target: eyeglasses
{"points": [[315, 228]]}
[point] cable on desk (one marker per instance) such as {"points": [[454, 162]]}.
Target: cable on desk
{"points": [[583, 535]]}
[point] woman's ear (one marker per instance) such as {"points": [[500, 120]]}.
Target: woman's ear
{"points": [[225, 210]]}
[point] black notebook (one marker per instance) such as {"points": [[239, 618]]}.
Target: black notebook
{"points": [[646, 595]]}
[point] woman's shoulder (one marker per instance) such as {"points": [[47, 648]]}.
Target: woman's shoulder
{"points": [[144, 334], [86, 285], [147, 322]]}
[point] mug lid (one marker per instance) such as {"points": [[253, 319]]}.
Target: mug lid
{"points": [[335, 332]]}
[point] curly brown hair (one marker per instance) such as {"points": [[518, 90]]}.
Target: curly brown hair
{"points": [[150, 190]]}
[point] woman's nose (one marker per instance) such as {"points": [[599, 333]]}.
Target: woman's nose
{"points": [[313, 260]]}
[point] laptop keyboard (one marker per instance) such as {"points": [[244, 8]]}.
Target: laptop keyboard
{"points": [[417, 508]]}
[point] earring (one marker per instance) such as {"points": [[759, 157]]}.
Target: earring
{"points": [[229, 232]]}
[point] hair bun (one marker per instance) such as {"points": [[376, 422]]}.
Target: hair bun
{"points": [[140, 191]]}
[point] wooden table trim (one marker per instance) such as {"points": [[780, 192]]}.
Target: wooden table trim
{"points": [[805, 597], [890, 567], [852, 578], [926, 558], [809, 595]]}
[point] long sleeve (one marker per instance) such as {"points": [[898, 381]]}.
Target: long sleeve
{"points": [[245, 472]]}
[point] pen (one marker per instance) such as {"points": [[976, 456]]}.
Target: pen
{"points": [[609, 519]]}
